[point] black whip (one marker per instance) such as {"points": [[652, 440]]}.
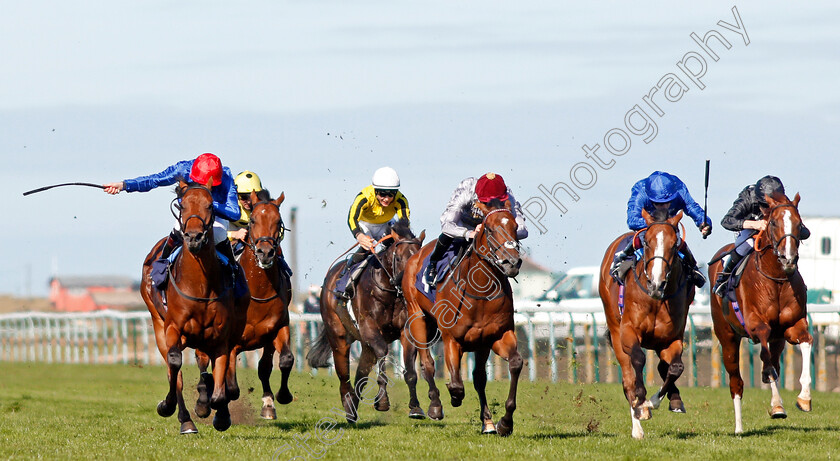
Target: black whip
{"points": [[41, 189]]}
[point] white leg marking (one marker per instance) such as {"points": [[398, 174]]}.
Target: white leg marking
{"points": [[776, 399], [739, 425], [268, 401], [805, 379], [638, 433], [655, 400]]}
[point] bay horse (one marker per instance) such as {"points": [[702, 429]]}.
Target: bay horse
{"points": [[380, 309], [771, 307], [473, 311], [197, 308], [651, 313], [267, 318]]}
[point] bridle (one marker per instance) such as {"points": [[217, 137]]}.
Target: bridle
{"points": [[774, 243], [491, 237], [668, 262], [206, 226], [275, 240], [392, 279]]}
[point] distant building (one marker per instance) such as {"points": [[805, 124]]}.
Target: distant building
{"points": [[534, 279], [90, 293], [819, 259]]}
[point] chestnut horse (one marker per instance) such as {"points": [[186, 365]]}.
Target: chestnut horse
{"points": [[651, 314], [771, 298], [267, 321], [473, 310], [196, 310], [380, 309]]}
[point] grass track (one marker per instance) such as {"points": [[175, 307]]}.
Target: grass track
{"points": [[108, 412]]}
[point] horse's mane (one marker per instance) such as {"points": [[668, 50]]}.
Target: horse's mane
{"points": [[263, 195], [495, 204], [659, 215], [403, 228]]}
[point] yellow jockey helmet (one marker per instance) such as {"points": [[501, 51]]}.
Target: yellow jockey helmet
{"points": [[247, 182]]}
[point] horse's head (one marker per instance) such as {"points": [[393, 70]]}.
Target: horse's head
{"points": [[661, 246], [265, 230], [783, 226], [195, 214], [404, 245], [497, 242]]}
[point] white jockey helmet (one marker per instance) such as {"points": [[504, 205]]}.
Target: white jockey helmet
{"points": [[385, 178]]}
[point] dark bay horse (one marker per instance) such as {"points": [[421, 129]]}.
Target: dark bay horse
{"points": [[654, 313], [196, 310], [267, 320], [473, 311], [380, 309], [771, 302]]}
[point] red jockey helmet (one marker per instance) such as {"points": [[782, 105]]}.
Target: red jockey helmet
{"points": [[207, 167], [491, 186]]}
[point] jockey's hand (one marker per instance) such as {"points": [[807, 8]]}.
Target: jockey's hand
{"points": [[114, 188], [706, 230], [757, 225], [240, 234], [365, 241], [471, 234]]}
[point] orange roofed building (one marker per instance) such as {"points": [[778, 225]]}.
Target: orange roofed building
{"points": [[90, 293]]}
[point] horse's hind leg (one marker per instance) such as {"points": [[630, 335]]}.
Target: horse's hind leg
{"points": [[285, 362], [670, 369], [341, 362], [452, 353], [205, 385], [480, 383], [506, 349], [264, 367], [798, 334], [410, 376], [730, 344]]}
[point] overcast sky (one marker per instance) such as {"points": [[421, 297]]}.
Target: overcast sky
{"points": [[314, 96]]}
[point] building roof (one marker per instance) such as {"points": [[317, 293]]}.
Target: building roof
{"points": [[85, 281], [125, 299]]}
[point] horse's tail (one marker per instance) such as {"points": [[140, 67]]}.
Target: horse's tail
{"points": [[320, 353]]}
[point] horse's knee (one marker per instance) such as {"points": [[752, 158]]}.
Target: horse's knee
{"points": [[174, 357], [515, 362], [286, 360], [676, 369]]}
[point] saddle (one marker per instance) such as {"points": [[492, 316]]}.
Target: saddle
{"points": [[160, 271], [451, 258]]}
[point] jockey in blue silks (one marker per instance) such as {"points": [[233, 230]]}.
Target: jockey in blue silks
{"points": [[661, 191]]}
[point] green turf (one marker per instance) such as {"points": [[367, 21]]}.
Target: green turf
{"points": [[108, 412]]}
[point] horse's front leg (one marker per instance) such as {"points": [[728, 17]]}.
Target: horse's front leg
{"points": [[219, 401], [770, 354], [670, 369], [506, 349], [175, 396], [417, 330], [480, 384], [264, 367], [798, 334], [205, 385], [231, 383], [285, 362], [777, 409]]}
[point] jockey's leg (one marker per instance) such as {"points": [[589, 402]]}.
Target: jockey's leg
{"points": [[743, 245], [696, 275], [173, 241], [440, 249], [359, 256], [623, 260]]}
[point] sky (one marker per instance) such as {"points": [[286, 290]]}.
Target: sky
{"points": [[314, 96]]}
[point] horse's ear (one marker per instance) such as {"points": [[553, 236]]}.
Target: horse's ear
{"points": [[209, 184], [674, 220], [771, 202], [395, 236], [280, 199], [796, 200], [254, 198], [422, 236], [182, 184], [646, 216], [482, 207], [508, 205]]}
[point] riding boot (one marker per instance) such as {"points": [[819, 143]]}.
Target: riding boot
{"points": [[173, 241], [622, 262], [440, 249], [723, 276], [696, 275], [350, 289]]}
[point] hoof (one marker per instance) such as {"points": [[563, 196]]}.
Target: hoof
{"points": [[284, 398], [202, 408], [188, 428], [503, 429], [456, 402], [416, 413], [802, 404], [777, 412], [488, 427], [221, 422], [382, 404], [642, 413], [165, 410], [268, 413], [676, 406], [436, 413]]}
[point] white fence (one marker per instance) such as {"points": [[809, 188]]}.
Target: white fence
{"points": [[558, 343]]}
